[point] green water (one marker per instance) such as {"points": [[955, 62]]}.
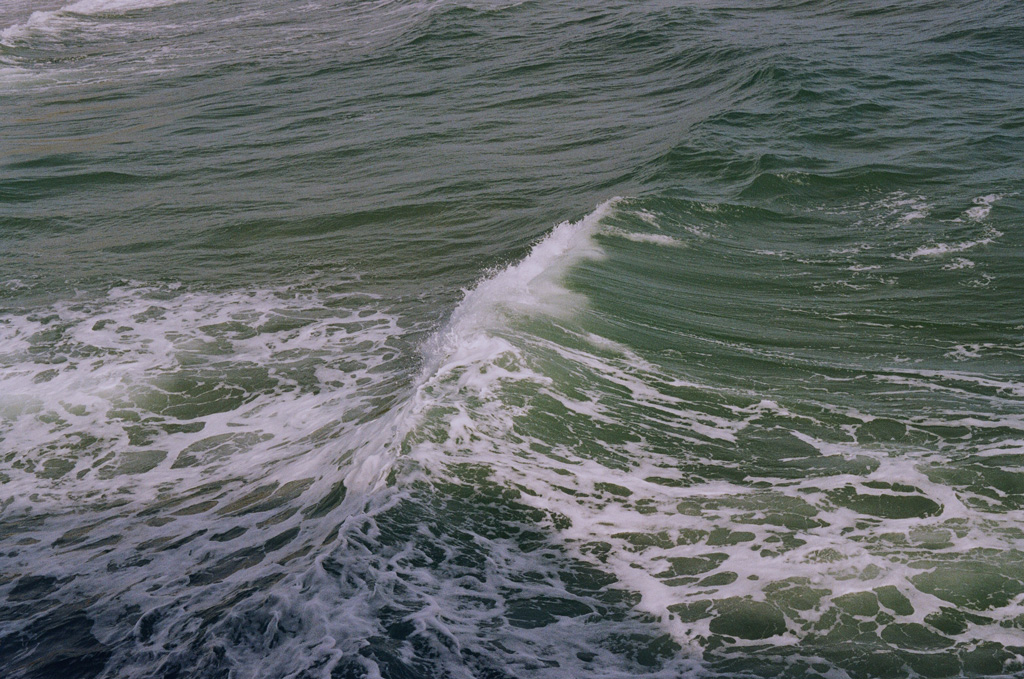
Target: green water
{"points": [[498, 340]]}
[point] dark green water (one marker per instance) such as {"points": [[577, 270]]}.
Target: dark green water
{"points": [[506, 340]]}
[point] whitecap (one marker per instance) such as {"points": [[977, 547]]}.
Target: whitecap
{"points": [[51, 22], [637, 237], [940, 249]]}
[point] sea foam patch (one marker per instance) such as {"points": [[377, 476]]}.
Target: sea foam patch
{"points": [[187, 444], [131, 383], [940, 249], [982, 206]]}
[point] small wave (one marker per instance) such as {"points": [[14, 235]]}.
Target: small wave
{"points": [[58, 20], [38, 22], [532, 286]]}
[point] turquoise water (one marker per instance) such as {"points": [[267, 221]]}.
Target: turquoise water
{"points": [[505, 340]]}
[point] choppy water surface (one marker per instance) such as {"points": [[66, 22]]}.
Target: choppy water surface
{"points": [[505, 340]]}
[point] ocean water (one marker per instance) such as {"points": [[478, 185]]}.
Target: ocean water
{"points": [[507, 340]]}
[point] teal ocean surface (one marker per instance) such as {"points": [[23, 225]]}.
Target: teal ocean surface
{"points": [[511, 340]]}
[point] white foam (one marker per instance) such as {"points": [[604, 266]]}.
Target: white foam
{"points": [[897, 210], [978, 213], [982, 207], [89, 7], [982, 281], [958, 263], [42, 21], [841, 556], [953, 380], [69, 17], [939, 249], [637, 237], [784, 254], [648, 217], [120, 362], [963, 352]]}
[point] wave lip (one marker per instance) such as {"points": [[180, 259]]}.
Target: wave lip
{"points": [[54, 21], [532, 287]]}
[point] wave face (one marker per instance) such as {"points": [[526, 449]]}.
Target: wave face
{"points": [[511, 339]]}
